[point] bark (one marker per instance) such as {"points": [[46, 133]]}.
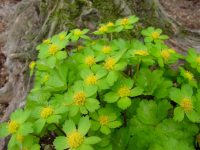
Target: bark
{"points": [[30, 21]]}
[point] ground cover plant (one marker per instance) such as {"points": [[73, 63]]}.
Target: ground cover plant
{"points": [[109, 93]]}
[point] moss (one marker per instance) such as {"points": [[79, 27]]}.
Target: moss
{"points": [[108, 10], [140, 8]]}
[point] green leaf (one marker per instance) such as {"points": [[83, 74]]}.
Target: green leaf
{"points": [[69, 126], [61, 55], [112, 77], [111, 97], [51, 62], [147, 112], [53, 119], [95, 125], [121, 138], [20, 116], [84, 125], [38, 125], [162, 109], [187, 90], [3, 129], [92, 140], [73, 111], [178, 114], [175, 95], [115, 124], [26, 128], [136, 91], [105, 130], [85, 147], [193, 116], [92, 104], [163, 89], [124, 103], [60, 143]]}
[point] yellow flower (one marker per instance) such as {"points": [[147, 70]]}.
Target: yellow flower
{"points": [[53, 49], [188, 75], [103, 120], [141, 52], [109, 63], [32, 65], [110, 24], [166, 53], [155, 35], [198, 60], [75, 139], [61, 37], [77, 32], [91, 80], [90, 60], [13, 126], [20, 138], [45, 78], [124, 91], [106, 49], [186, 104], [47, 41], [103, 28], [79, 98], [124, 21], [46, 112]]}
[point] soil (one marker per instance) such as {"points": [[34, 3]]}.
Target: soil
{"points": [[187, 12], [3, 73], [3, 69]]}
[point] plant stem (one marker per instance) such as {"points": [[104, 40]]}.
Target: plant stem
{"points": [[124, 118], [59, 129], [111, 36], [137, 70]]}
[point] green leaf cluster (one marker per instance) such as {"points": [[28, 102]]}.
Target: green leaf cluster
{"points": [[109, 93]]}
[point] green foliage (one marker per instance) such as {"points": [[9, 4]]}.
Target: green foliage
{"points": [[108, 93]]}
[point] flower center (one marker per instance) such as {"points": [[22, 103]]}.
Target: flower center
{"points": [[106, 49], [12, 127], [165, 54], [103, 28], [103, 120], [32, 65], [45, 78], [124, 91], [61, 37], [189, 75], [91, 80], [77, 32], [109, 63], [90, 60], [53, 49], [141, 52], [186, 104], [198, 60], [79, 98], [124, 21], [46, 112], [75, 139], [110, 24], [47, 41], [20, 138], [155, 35]]}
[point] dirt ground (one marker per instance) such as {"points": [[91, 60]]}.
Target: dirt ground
{"points": [[3, 70], [187, 12]]}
